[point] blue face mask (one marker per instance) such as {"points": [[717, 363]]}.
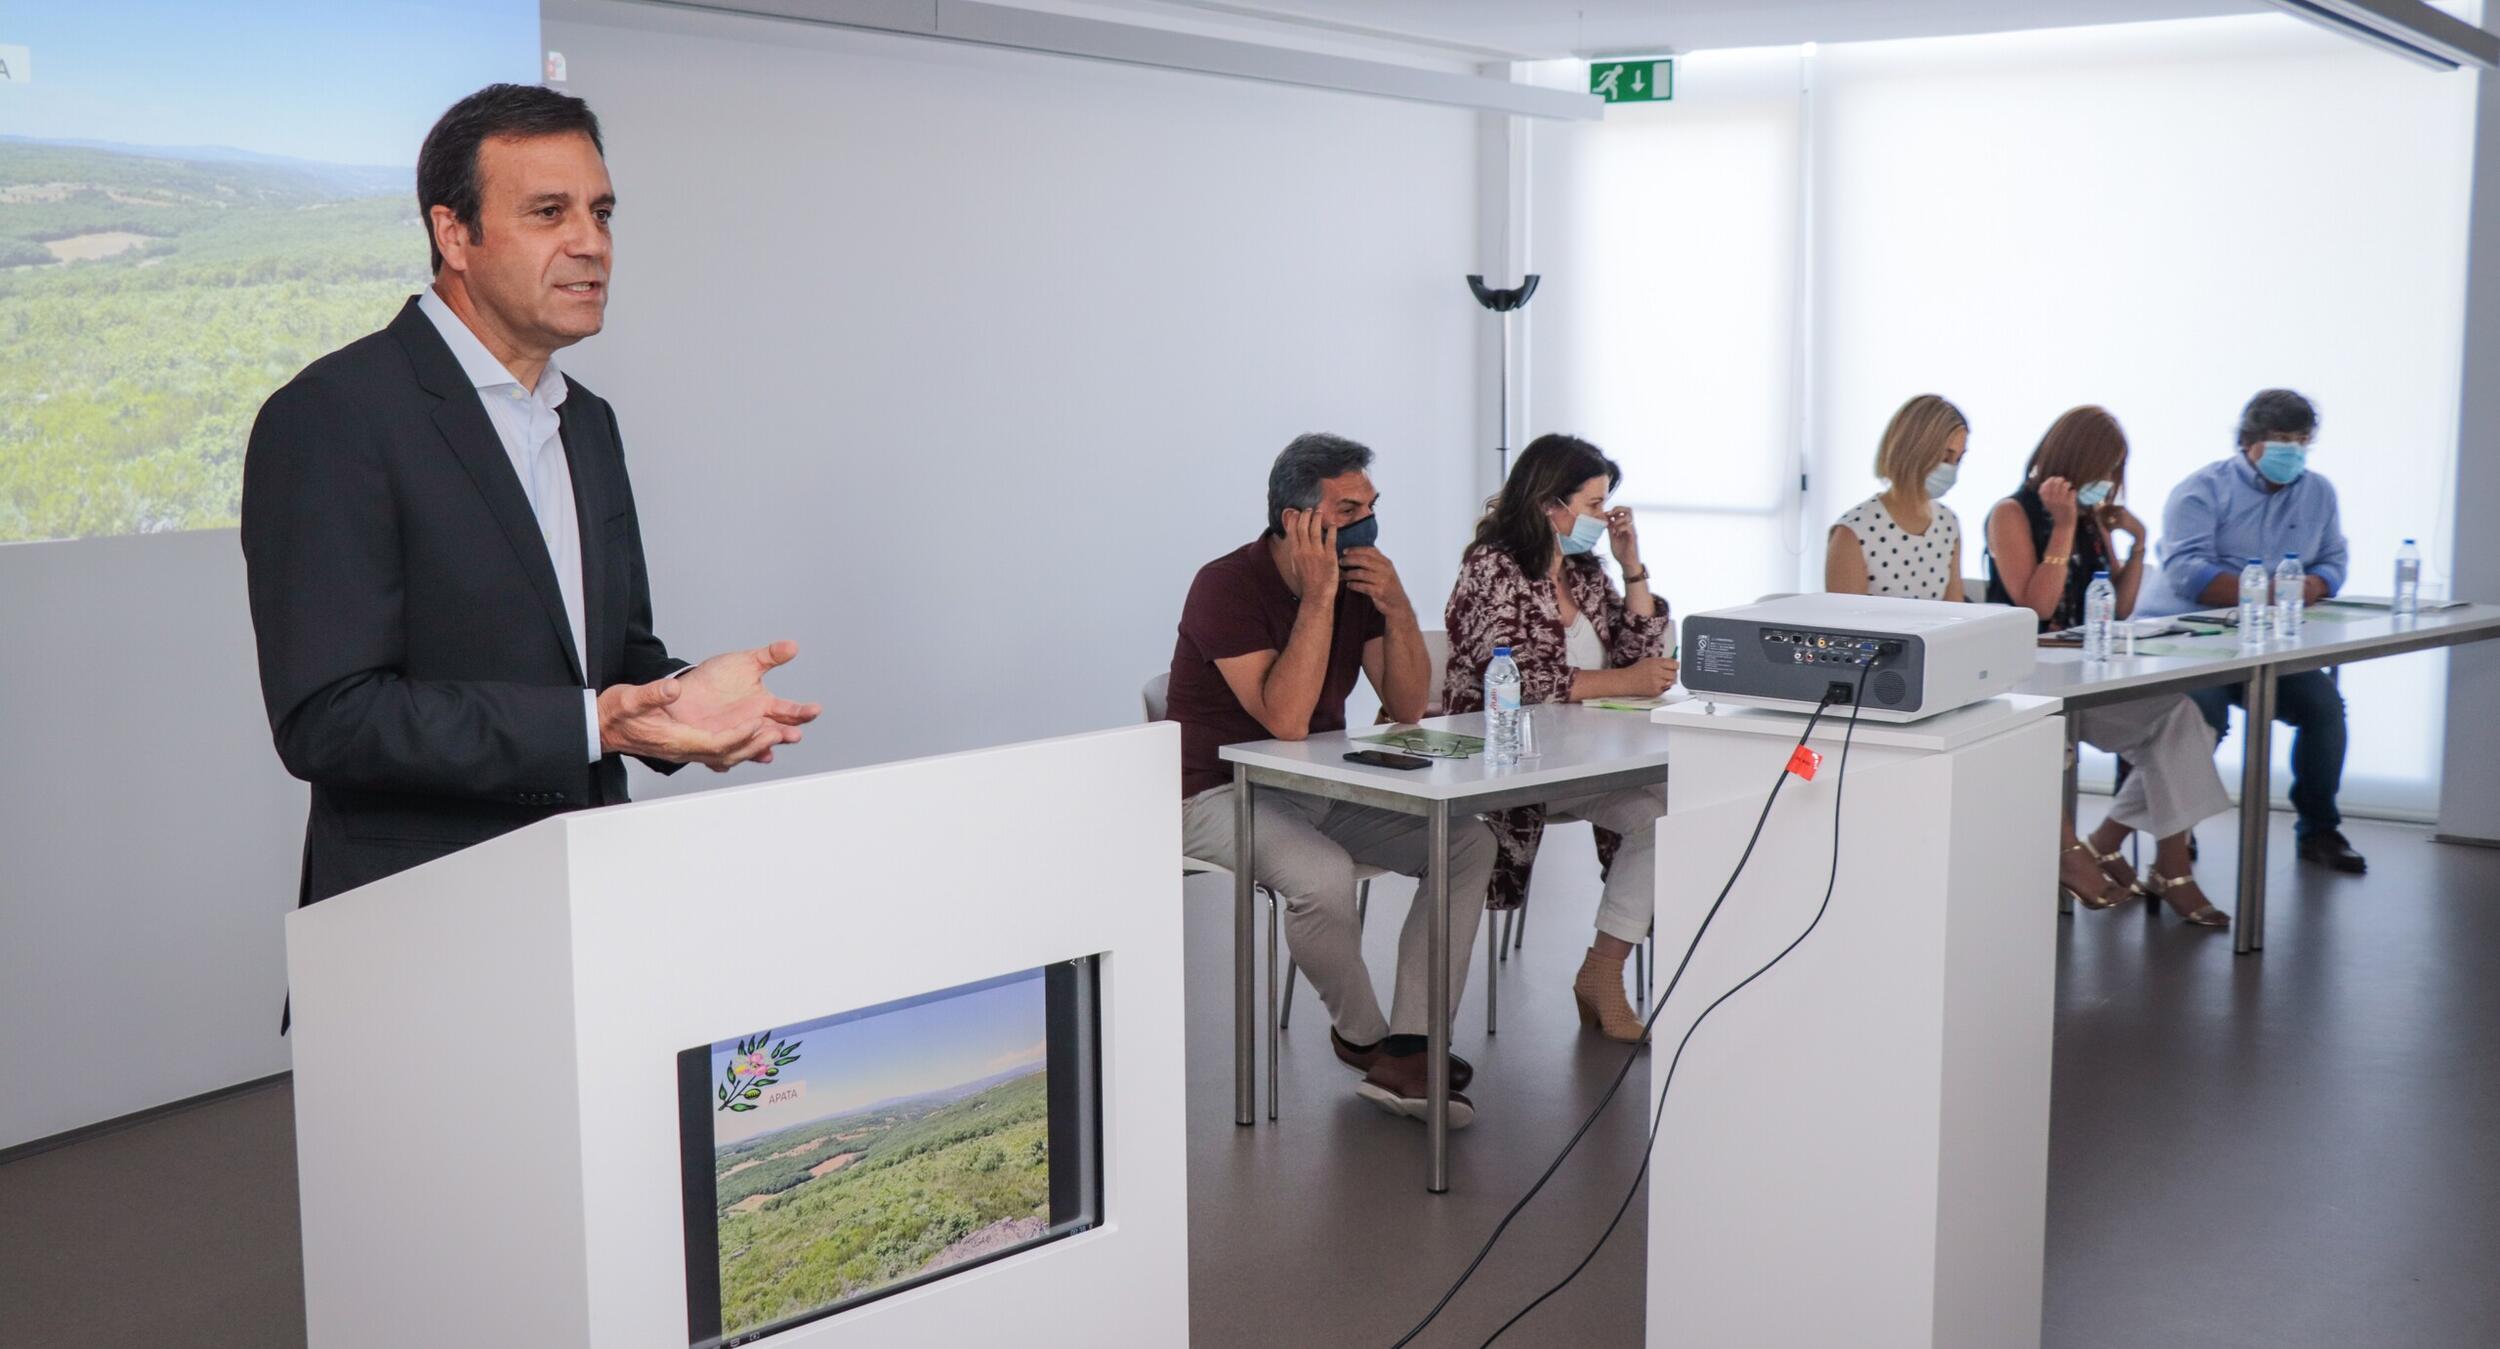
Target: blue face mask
{"points": [[2283, 461], [1587, 532], [1362, 533], [1941, 478], [2092, 494]]}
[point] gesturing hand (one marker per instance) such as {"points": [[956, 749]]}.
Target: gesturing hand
{"points": [[1368, 572], [1310, 555], [718, 713]]}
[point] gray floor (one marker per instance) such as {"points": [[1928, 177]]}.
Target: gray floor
{"points": [[2300, 1149]]}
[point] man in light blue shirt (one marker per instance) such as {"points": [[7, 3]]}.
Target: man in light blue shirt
{"points": [[2263, 503]]}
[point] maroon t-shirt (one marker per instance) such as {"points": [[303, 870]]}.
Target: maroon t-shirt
{"points": [[1240, 604]]}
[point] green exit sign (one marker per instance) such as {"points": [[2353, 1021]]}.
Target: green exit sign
{"points": [[1633, 81]]}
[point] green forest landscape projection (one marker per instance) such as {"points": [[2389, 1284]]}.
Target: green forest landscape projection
{"points": [[824, 1211], [150, 299]]}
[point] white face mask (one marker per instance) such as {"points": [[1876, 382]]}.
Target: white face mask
{"points": [[1941, 478]]}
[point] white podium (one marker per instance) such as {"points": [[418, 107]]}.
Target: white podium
{"points": [[1855, 1147], [485, 1047]]}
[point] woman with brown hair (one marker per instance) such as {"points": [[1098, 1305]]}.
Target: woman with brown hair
{"points": [[2045, 544], [1531, 581], [1904, 540]]}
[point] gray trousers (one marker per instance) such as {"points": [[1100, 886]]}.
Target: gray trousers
{"points": [[1306, 851], [2175, 783]]}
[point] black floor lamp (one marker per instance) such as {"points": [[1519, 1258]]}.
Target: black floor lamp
{"points": [[1503, 302]]}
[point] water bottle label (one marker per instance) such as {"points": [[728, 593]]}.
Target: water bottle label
{"points": [[1505, 698]]}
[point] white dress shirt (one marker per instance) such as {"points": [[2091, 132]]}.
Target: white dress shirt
{"points": [[530, 427]]}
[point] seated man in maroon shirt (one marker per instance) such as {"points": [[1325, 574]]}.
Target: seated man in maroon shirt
{"points": [[1270, 641]]}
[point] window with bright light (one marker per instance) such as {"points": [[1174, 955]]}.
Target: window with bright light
{"points": [[1666, 328], [1742, 284], [2162, 219]]}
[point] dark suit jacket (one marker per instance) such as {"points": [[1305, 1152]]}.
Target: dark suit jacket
{"points": [[415, 656]]}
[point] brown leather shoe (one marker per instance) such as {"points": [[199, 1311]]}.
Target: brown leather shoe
{"points": [[1603, 1008], [1361, 1060], [1396, 1084]]}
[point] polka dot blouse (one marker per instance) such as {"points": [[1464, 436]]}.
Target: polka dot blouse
{"points": [[1898, 562]]}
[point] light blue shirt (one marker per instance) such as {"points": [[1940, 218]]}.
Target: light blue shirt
{"points": [[2223, 515], [531, 429]]}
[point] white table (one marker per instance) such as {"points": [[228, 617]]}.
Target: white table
{"points": [[1580, 750], [2211, 661]]}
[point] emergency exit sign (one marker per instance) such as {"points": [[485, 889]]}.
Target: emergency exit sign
{"points": [[1633, 81]]}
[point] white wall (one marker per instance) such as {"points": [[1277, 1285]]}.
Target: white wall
{"points": [[149, 841], [959, 377], [952, 364], [2469, 793]]}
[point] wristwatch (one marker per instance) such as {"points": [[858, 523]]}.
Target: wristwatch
{"points": [[1631, 580]]}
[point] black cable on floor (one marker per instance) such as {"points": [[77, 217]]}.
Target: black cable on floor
{"points": [[1632, 1055], [1840, 784]]}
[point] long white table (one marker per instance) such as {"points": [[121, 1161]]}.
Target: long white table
{"points": [[2179, 664], [1580, 750]]}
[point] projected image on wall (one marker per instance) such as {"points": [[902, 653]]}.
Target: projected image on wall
{"points": [[855, 1155], [196, 200]]}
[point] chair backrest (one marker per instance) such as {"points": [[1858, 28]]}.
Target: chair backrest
{"points": [[1157, 696]]}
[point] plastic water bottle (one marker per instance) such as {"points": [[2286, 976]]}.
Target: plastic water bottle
{"points": [[2253, 603], [2100, 611], [2291, 591], [2408, 603], [1501, 709]]}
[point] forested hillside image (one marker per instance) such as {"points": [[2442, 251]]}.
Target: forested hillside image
{"points": [[151, 298], [827, 1210]]}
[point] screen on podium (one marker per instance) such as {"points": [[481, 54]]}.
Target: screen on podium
{"points": [[843, 1159]]}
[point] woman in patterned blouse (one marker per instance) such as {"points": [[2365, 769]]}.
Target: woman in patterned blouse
{"points": [[1531, 581]]}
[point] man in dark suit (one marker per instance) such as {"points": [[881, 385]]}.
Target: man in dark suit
{"points": [[445, 565]]}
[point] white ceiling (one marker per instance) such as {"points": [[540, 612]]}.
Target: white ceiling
{"points": [[1547, 28]]}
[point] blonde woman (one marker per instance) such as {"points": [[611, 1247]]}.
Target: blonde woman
{"points": [[1904, 540]]}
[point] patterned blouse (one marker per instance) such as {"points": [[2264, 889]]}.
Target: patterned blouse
{"points": [[1899, 562], [1496, 604]]}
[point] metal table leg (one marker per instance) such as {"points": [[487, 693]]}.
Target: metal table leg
{"points": [[2073, 789], [2256, 805], [1275, 1029], [1437, 1040], [1245, 916], [1489, 944]]}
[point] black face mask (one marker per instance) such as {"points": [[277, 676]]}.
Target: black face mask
{"points": [[1362, 533]]}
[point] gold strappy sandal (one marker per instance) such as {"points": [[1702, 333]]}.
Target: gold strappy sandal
{"points": [[2124, 873], [2102, 900], [2204, 915]]}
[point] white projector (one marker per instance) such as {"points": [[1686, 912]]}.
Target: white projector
{"points": [[1927, 656]]}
